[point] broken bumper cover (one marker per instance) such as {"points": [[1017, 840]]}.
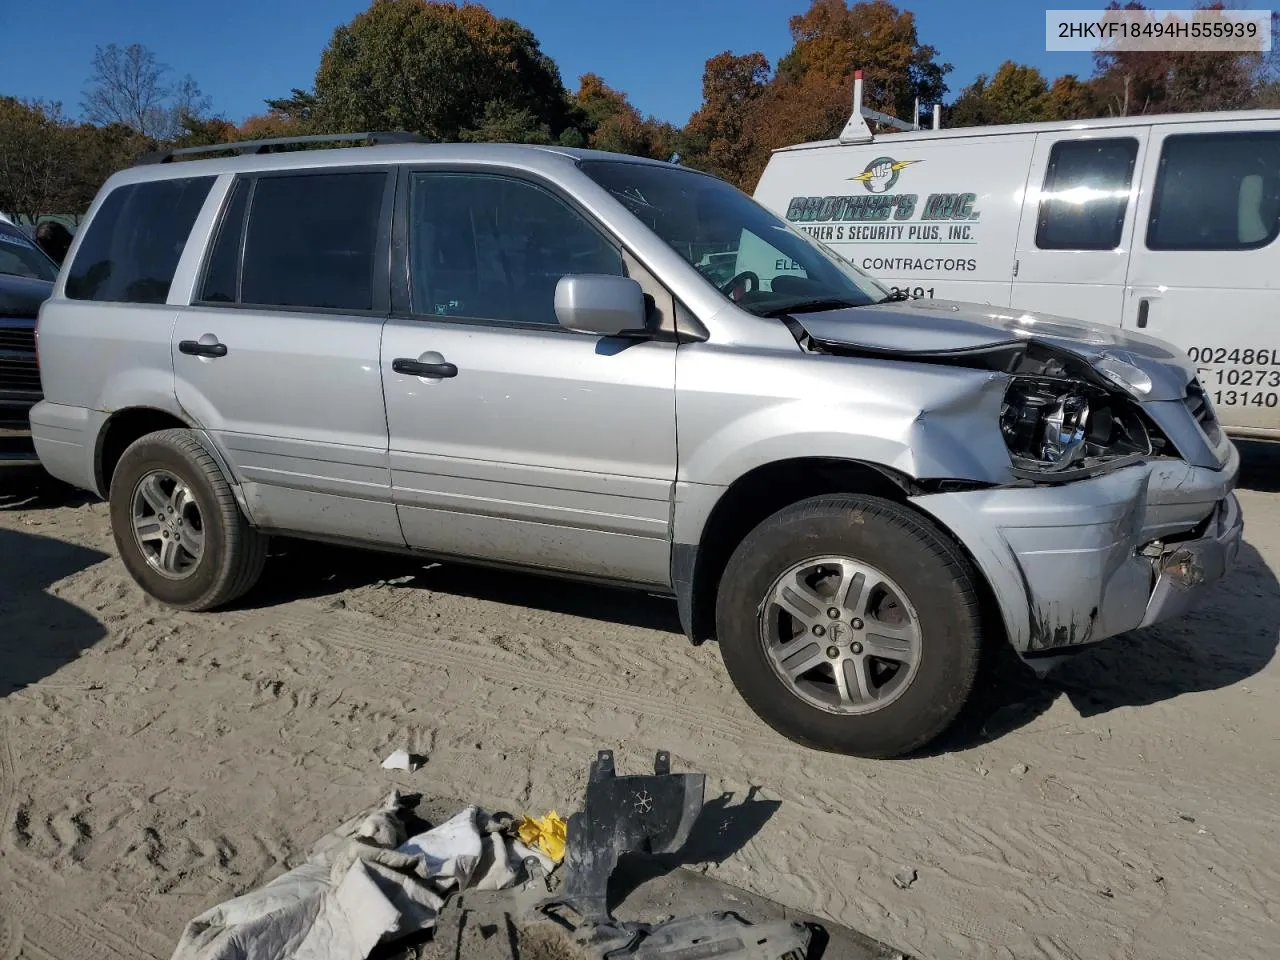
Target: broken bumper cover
{"points": [[1077, 563]]}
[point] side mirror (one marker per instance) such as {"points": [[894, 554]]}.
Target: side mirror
{"points": [[603, 305]]}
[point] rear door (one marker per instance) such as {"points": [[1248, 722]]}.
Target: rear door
{"points": [[1078, 222], [278, 355], [1206, 264]]}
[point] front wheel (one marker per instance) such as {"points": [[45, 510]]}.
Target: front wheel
{"points": [[850, 624]]}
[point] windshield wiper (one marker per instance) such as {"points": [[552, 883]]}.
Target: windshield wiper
{"points": [[813, 305], [896, 296]]}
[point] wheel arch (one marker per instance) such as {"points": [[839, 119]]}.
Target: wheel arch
{"points": [[699, 559], [127, 425]]}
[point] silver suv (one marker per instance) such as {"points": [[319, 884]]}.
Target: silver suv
{"points": [[532, 357]]}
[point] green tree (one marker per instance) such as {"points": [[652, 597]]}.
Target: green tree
{"points": [[37, 158], [441, 69], [504, 122], [1019, 94], [1016, 94]]}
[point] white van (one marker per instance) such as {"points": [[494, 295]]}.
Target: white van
{"points": [[1162, 224]]}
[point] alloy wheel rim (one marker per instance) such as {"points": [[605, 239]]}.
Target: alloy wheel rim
{"points": [[841, 635], [168, 526]]}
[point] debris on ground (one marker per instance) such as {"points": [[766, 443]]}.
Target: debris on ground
{"points": [[402, 760], [904, 878], [548, 834], [365, 883], [486, 887]]}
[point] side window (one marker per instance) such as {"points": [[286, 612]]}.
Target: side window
{"points": [[1086, 194], [1216, 191], [222, 276], [494, 248], [311, 240], [133, 244]]}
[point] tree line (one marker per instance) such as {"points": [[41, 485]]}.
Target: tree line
{"points": [[455, 72]]}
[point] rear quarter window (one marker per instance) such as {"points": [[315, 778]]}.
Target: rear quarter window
{"points": [[132, 246]]}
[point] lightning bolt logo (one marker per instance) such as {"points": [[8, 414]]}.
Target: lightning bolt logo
{"points": [[895, 166]]}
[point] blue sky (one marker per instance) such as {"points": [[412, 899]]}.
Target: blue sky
{"points": [[241, 51]]}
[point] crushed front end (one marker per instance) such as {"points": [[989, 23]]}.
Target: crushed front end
{"points": [[1077, 563], [1119, 511], [1122, 515]]}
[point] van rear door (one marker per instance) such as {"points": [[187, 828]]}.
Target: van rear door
{"points": [[1077, 223], [1206, 265]]}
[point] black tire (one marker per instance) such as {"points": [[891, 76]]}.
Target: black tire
{"points": [[233, 551], [937, 581]]}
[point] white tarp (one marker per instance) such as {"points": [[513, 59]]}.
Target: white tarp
{"points": [[362, 884]]}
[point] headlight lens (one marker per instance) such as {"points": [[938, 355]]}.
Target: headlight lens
{"points": [[1055, 426]]}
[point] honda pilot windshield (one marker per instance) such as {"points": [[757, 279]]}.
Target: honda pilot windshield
{"points": [[751, 256], [20, 257]]}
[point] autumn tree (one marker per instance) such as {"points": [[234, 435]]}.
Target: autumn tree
{"points": [[810, 95], [1069, 98], [612, 122], [1130, 82], [442, 69], [833, 39], [130, 86], [719, 135]]}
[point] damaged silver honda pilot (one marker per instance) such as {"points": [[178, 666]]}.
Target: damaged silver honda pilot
{"points": [[615, 369]]}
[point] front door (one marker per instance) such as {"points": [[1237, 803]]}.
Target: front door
{"points": [[278, 356], [512, 439], [1206, 266], [1077, 224]]}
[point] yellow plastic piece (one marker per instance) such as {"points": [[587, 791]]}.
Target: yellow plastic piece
{"points": [[547, 834]]}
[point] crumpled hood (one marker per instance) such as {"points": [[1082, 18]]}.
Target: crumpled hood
{"points": [[20, 297], [920, 329]]}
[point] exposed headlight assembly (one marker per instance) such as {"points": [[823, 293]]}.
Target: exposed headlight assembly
{"points": [[1061, 429]]}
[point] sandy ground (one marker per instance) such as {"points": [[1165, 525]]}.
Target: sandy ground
{"points": [[152, 763]]}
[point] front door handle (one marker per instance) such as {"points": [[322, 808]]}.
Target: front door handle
{"points": [[194, 348], [419, 368]]}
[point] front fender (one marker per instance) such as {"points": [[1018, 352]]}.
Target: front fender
{"points": [[738, 410]]}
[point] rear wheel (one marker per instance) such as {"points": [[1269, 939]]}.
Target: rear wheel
{"points": [[850, 624], [177, 525]]}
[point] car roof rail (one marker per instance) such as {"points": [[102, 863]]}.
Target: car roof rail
{"points": [[241, 147]]}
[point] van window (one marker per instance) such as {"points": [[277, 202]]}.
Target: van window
{"points": [[1086, 194], [494, 248], [1216, 191], [310, 240], [133, 243]]}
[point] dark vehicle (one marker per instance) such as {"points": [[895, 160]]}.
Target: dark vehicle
{"points": [[26, 281]]}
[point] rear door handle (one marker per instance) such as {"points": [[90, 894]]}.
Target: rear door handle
{"points": [[418, 368], [1144, 307], [194, 348]]}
